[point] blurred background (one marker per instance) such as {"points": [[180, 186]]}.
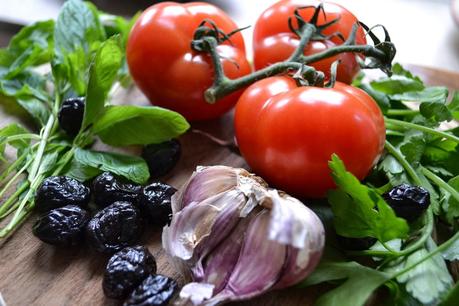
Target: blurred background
{"points": [[424, 31]]}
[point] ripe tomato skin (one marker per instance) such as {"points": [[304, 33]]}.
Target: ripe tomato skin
{"points": [[273, 41], [287, 134], [169, 72]]}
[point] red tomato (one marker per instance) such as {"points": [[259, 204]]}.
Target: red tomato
{"points": [[298, 129], [169, 72], [273, 41]]}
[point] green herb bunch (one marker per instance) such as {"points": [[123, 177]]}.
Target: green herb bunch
{"points": [[410, 259], [82, 54]]}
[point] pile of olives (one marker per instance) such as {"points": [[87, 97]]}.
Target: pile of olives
{"points": [[112, 224]]}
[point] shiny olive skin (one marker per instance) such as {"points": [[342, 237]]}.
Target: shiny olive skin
{"points": [[58, 191], [155, 202], [126, 269], [115, 227], [63, 226], [155, 290], [108, 188], [408, 202], [71, 114], [162, 157]]}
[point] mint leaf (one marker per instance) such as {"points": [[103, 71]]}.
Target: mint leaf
{"points": [[12, 129], [427, 280], [397, 84], [77, 33], [131, 167], [137, 125], [359, 283], [102, 75], [370, 214], [81, 172], [30, 47]]}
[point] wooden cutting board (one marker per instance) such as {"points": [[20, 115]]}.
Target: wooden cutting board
{"points": [[33, 273]]}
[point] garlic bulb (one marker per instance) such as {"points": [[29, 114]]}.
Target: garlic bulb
{"points": [[234, 238]]}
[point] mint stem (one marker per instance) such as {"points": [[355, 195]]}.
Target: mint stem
{"points": [[41, 148]]}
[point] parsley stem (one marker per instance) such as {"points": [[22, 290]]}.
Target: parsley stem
{"points": [[402, 160], [445, 245], [440, 183], [421, 128], [401, 112]]}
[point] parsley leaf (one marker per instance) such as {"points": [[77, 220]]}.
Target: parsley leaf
{"points": [[370, 214], [359, 283]]}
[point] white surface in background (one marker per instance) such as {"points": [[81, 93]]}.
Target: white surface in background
{"points": [[423, 31]]}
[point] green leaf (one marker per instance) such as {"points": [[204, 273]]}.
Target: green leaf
{"points": [[451, 207], [413, 147], [138, 125], [102, 75], [131, 167], [399, 70], [380, 98], [13, 130], [82, 172], [77, 26], [31, 46], [370, 214], [453, 106], [359, 283], [77, 34], [427, 280], [452, 298], [48, 163], [397, 84]]}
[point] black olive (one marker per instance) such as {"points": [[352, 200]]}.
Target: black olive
{"points": [[71, 115], [356, 244], [408, 202], [155, 290], [162, 157], [115, 227], [155, 202], [108, 189], [58, 191], [63, 226], [126, 269]]}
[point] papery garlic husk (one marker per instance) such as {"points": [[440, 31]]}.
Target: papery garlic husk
{"points": [[233, 238]]}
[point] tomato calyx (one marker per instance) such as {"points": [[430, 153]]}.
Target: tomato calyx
{"points": [[301, 23], [208, 28]]}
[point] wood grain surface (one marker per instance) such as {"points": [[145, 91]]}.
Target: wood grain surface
{"points": [[33, 273]]}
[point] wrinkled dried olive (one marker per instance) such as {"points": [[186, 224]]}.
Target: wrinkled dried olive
{"points": [[108, 189], [58, 191], [63, 226], [155, 202], [71, 115], [356, 244], [408, 202], [126, 269], [115, 227], [162, 157], [155, 290]]}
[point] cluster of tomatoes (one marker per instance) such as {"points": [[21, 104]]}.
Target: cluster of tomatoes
{"points": [[286, 132]]}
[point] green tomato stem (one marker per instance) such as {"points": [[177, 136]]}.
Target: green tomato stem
{"points": [[402, 160], [409, 125]]}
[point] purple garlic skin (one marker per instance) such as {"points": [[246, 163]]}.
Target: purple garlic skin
{"points": [[233, 238]]}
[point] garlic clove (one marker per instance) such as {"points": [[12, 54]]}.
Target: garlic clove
{"points": [[204, 183]]}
